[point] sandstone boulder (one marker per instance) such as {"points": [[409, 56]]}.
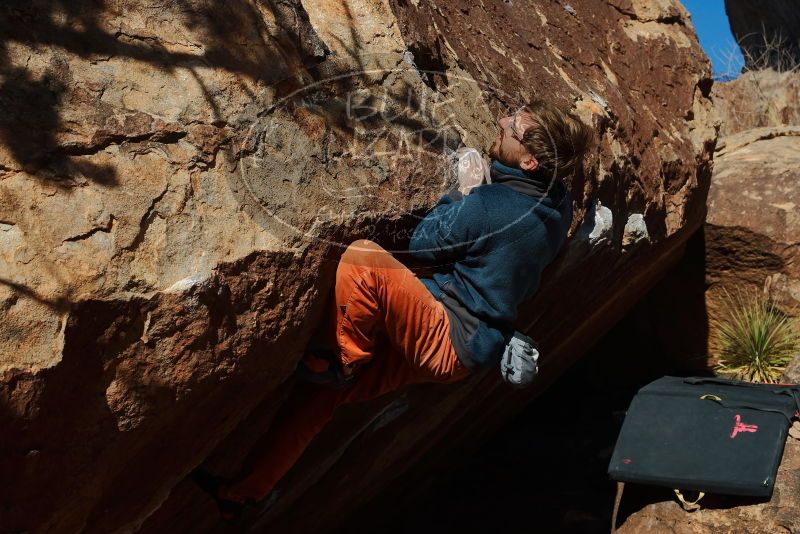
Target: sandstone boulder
{"points": [[757, 99], [791, 375], [753, 224], [178, 178]]}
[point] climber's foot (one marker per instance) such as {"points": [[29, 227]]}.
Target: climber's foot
{"points": [[229, 510], [324, 367]]}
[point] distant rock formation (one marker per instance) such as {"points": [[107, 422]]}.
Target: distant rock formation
{"points": [[756, 99], [177, 182], [767, 93], [768, 31]]}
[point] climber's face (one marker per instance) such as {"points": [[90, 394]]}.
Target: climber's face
{"points": [[507, 147]]}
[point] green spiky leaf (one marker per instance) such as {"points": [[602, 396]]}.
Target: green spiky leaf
{"points": [[754, 339]]}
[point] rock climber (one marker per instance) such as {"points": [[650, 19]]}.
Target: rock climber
{"points": [[387, 328]]}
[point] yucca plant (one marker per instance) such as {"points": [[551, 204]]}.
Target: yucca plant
{"points": [[753, 339]]}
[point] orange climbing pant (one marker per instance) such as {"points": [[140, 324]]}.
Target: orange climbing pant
{"points": [[386, 322]]}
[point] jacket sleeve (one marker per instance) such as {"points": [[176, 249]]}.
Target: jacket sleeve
{"points": [[447, 232]]}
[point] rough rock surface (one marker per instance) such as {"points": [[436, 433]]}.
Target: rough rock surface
{"points": [[791, 375], [756, 99], [780, 514], [756, 24], [753, 224], [178, 177]]}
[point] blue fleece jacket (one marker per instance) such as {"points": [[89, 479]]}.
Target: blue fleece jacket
{"points": [[493, 245]]}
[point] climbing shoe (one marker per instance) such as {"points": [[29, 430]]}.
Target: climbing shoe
{"points": [[324, 367], [229, 511]]}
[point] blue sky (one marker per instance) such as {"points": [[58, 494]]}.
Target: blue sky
{"points": [[714, 31]]}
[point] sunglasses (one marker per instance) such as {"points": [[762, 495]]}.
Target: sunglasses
{"points": [[517, 130]]}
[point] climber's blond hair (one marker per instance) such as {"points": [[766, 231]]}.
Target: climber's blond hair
{"points": [[557, 139]]}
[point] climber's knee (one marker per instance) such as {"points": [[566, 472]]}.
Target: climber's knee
{"points": [[364, 252], [364, 245]]}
